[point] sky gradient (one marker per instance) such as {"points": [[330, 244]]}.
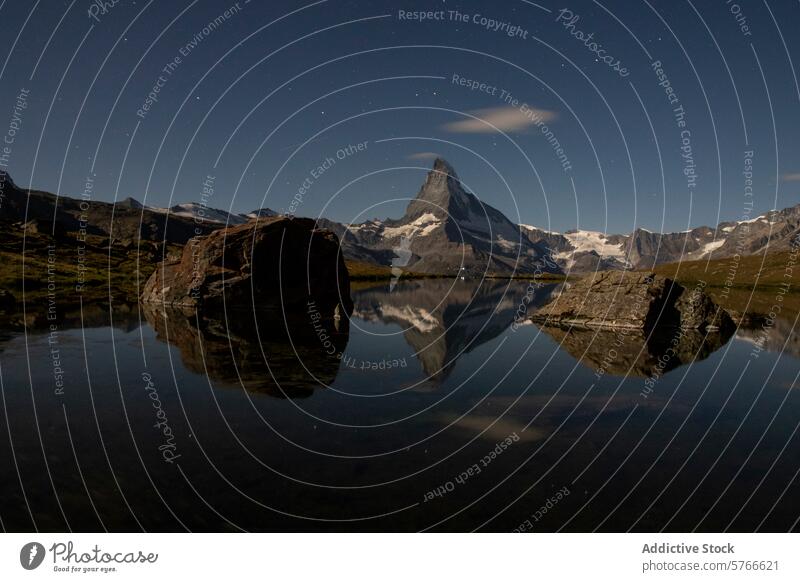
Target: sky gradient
{"points": [[604, 116]]}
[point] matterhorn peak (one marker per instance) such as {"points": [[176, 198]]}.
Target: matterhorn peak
{"points": [[443, 166], [440, 192], [442, 175]]}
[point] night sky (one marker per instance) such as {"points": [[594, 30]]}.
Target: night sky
{"points": [[258, 95]]}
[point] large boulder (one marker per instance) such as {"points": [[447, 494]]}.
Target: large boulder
{"points": [[640, 300], [275, 263]]}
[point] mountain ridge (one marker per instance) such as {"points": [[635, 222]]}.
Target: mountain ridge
{"points": [[444, 230]]}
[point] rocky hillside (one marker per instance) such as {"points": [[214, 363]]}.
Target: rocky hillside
{"points": [[126, 220], [445, 230]]}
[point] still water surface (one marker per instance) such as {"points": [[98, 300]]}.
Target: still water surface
{"points": [[437, 407]]}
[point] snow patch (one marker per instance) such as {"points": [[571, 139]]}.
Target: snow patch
{"points": [[417, 317], [529, 227], [422, 226], [709, 248], [584, 241], [751, 220], [506, 244], [204, 213]]}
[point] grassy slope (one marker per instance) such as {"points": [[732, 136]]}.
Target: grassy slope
{"points": [[119, 269], [729, 283], [745, 283], [361, 271]]}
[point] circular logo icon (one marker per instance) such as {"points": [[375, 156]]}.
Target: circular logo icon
{"points": [[31, 555]]}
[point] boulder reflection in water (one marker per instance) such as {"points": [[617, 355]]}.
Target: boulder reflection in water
{"points": [[281, 357], [633, 352]]}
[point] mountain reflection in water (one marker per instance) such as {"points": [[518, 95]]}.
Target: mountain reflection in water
{"points": [[444, 319], [300, 423], [440, 321]]}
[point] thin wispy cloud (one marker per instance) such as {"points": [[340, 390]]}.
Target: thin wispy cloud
{"points": [[507, 119], [791, 177]]}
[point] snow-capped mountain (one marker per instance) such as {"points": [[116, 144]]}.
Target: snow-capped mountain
{"points": [[447, 228], [447, 231], [582, 250], [200, 212], [261, 213]]}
